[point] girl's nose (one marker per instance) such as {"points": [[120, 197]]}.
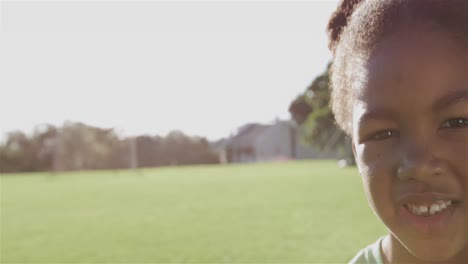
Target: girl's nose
{"points": [[419, 162]]}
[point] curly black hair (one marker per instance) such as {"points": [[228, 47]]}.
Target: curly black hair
{"points": [[357, 26]]}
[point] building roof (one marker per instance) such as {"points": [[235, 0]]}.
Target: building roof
{"points": [[247, 135]]}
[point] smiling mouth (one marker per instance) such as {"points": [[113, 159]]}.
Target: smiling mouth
{"points": [[429, 217], [430, 209]]}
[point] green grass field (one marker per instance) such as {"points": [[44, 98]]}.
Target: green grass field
{"points": [[291, 212]]}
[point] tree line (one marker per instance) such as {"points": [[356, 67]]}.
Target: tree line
{"points": [[77, 146]]}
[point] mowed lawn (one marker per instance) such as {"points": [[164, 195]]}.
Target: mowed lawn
{"points": [[288, 212]]}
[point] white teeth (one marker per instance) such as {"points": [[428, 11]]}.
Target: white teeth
{"points": [[431, 209], [423, 209], [434, 208]]}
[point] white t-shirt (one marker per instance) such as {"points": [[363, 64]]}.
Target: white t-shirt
{"points": [[372, 254]]}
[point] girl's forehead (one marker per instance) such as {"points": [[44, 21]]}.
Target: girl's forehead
{"points": [[412, 60]]}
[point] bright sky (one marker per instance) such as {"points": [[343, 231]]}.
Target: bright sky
{"points": [[148, 67]]}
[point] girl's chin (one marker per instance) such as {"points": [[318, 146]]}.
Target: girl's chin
{"points": [[432, 238], [434, 253], [430, 251]]}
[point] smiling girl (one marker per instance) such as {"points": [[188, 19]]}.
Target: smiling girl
{"points": [[400, 90]]}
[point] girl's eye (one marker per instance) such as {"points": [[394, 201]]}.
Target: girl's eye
{"points": [[384, 134], [455, 123]]}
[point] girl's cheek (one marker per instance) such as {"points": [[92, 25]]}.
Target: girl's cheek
{"points": [[376, 163], [376, 158], [456, 152]]}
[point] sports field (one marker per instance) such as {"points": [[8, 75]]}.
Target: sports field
{"points": [[289, 212]]}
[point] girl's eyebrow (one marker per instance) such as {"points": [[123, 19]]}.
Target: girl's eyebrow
{"points": [[377, 114], [450, 99]]}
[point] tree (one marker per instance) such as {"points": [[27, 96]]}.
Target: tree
{"points": [[17, 154], [44, 140], [311, 111], [80, 146]]}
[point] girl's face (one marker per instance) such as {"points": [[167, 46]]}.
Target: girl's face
{"points": [[410, 138]]}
